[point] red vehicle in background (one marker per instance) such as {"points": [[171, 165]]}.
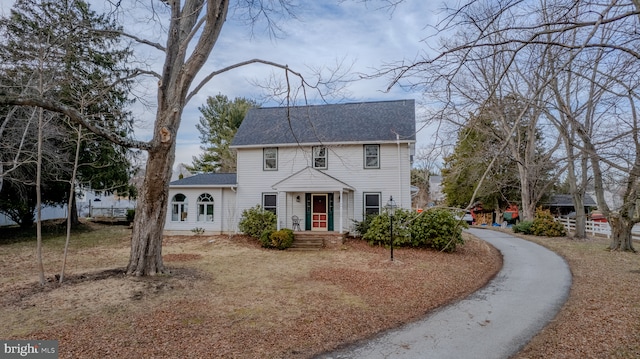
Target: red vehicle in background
{"points": [[598, 217], [511, 214]]}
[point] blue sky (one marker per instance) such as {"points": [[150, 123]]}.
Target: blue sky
{"points": [[325, 32]]}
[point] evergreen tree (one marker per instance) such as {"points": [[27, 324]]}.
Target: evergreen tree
{"points": [[64, 50], [463, 169], [218, 125]]}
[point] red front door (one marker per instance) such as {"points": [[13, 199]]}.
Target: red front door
{"points": [[319, 216]]}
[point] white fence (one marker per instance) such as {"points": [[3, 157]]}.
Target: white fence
{"points": [[111, 212], [596, 228]]}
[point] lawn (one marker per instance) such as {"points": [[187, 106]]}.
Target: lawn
{"points": [[226, 296]]}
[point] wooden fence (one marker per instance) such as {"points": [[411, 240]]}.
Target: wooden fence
{"points": [[596, 228]]}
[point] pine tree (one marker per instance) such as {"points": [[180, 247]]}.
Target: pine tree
{"points": [[71, 54], [218, 125]]}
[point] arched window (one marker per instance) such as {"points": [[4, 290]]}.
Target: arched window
{"points": [[205, 208], [179, 208]]}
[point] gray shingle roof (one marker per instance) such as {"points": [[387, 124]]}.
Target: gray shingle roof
{"points": [[349, 122], [565, 200], [207, 179]]}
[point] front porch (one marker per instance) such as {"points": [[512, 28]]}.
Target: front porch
{"points": [[311, 200]]}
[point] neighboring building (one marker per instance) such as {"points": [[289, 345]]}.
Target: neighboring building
{"points": [[561, 205], [327, 165]]}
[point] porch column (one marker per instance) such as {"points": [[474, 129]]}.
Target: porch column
{"points": [[279, 206], [341, 198]]}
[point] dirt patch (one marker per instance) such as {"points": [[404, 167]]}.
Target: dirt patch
{"points": [[181, 257]]}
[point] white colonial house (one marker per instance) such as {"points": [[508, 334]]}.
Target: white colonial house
{"points": [[318, 168]]}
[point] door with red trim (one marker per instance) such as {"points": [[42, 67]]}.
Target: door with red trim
{"points": [[319, 215]]}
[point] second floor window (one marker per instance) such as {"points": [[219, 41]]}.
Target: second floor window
{"points": [[371, 156], [320, 157], [270, 158]]}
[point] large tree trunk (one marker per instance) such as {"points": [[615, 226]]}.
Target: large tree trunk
{"points": [[581, 216], [621, 227], [528, 205], [146, 242], [177, 76]]}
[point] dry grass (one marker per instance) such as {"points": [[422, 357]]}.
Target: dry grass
{"points": [[601, 319], [227, 298]]}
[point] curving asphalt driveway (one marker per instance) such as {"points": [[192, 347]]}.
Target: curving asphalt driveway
{"points": [[494, 322]]}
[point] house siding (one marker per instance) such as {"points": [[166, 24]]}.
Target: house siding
{"points": [[345, 163], [225, 213]]}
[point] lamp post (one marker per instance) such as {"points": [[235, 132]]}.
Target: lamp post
{"points": [[391, 209]]}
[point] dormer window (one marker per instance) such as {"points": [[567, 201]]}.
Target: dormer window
{"points": [[320, 157], [371, 156], [270, 158]]}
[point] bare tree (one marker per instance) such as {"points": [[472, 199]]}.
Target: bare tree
{"points": [[194, 27], [565, 36]]}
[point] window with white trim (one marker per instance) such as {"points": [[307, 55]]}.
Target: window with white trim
{"points": [[205, 208], [270, 159], [319, 157], [371, 203], [270, 202], [179, 208], [371, 156]]}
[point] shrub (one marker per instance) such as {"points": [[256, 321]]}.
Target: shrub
{"points": [[255, 221], [378, 231], [438, 229], [281, 239], [265, 238], [197, 231], [523, 227], [362, 227], [545, 225]]}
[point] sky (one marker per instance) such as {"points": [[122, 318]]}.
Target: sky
{"points": [[324, 33]]}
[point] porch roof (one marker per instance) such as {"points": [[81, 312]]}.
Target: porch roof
{"points": [[311, 180]]}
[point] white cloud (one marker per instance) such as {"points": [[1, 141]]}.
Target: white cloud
{"points": [[324, 33]]}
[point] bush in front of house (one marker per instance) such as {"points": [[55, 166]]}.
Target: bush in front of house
{"points": [[378, 231], [545, 225], [256, 220], [281, 239], [362, 227], [438, 229]]}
